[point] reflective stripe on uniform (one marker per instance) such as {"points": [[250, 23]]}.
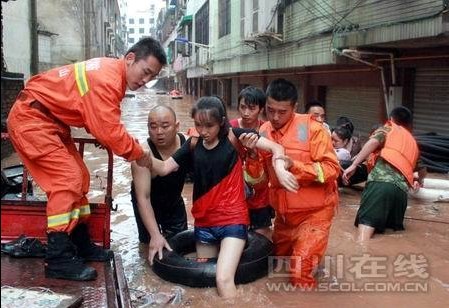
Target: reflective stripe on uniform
{"points": [[254, 180], [84, 210], [81, 79], [64, 219], [319, 172]]}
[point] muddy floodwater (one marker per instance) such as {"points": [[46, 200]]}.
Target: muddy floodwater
{"points": [[397, 269]]}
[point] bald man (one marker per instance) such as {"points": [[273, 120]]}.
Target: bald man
{"points": [[157, 201]]}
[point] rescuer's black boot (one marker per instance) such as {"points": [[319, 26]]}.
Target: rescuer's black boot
{"points": [[86, 248], [62, 262]]}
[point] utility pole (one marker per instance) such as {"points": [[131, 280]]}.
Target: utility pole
{"points": [[34, 65], [3, 55], [87, 34]]}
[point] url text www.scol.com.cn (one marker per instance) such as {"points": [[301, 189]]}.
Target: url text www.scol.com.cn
{"points": [[402, 287]]}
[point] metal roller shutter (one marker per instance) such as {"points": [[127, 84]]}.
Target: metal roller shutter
{"points": [[431, 105], [360, 104], [253, 81]]}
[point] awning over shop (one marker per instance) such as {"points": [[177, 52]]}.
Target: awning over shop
{"points": [[187, 19]]}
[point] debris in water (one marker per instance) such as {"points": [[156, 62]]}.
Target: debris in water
{"points": [[37, 297], [150, 299]]}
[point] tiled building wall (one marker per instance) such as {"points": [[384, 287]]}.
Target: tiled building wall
{"points": [[12, 84]]}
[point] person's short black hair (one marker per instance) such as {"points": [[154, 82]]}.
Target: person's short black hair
{"points": [[282, 90], [148, 46], [252, 96], [402, 116], [345, 122], [313, 103]]}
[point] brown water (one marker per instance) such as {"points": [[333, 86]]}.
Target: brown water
{"points": [[425, 244]]}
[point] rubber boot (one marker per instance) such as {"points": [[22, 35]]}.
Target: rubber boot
{"points": [[86, 248], [62, 262]]}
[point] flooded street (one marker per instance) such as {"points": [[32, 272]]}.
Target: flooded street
{"points": [[403, 269], [356, 65], [424, 237]]}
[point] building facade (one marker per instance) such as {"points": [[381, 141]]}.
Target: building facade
{"points": [[360, 58], [55, 33], [142, 21]]}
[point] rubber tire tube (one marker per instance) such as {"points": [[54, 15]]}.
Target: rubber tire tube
{"points": [[175, 268]]}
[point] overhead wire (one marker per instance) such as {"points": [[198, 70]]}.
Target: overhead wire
{"points": [[336, 30], [349, 12], [326, 12], [313, 13], [339, 14]]}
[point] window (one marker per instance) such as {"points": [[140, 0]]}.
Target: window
{"points": [[255, 5], [280, 24], [242, 19], [141, 30], [151, 20], [255, 16], [131, 30], [131, 40], [256, 22], [224, 18], [202, 25], [131, 21], [141, 21], [44, 48]]}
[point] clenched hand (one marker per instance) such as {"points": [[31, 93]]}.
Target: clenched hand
{"points": [[145, 160], [281, 163], [249, 140]]}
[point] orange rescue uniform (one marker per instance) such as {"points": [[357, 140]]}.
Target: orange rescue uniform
{"points": [[303, 219], [400, 150], [86, 94]]}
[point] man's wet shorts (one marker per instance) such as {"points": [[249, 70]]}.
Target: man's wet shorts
{"points": [[213, 235]]}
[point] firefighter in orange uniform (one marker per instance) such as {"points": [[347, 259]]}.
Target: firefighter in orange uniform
{"points": [[85, 94], [303, 218]]}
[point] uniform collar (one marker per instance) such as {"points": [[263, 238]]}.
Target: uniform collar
{"points": [[284, 129]]}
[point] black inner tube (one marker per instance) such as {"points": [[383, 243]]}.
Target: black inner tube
{"points": [[174, 267]]}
